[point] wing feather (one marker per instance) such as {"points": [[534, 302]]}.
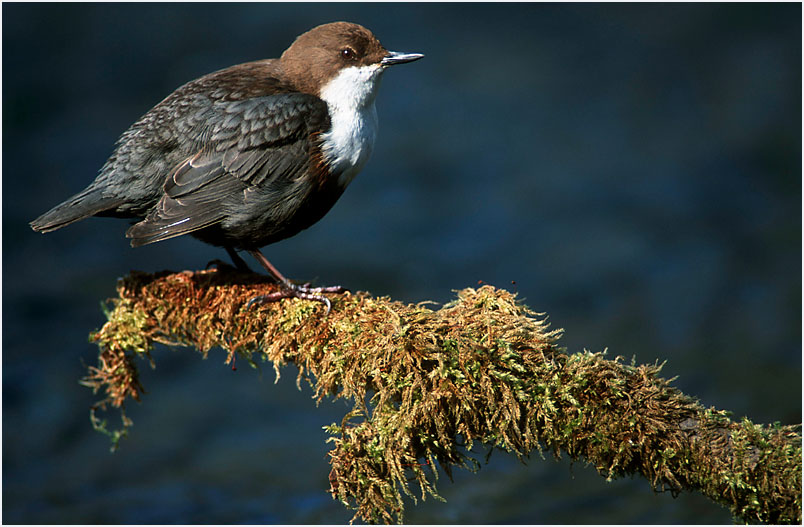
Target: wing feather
{"points": [[253, 142]]}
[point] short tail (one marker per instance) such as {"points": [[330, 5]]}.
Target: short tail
{"points": [[83, 205]]}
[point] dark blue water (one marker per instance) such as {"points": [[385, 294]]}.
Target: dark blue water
{"points": [[636, 170]]}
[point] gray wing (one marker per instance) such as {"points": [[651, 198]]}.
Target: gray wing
{"points": [[262, 141]]}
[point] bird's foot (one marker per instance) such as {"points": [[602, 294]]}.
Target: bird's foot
{"points": [[304, 291], [220, 265]]}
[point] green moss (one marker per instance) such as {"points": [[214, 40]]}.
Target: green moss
{"points": [[482, 368]]}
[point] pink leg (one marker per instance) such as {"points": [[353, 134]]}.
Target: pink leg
{"points": [[288, 289]]}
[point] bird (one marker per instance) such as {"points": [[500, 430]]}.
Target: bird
{"points": [[248, 155]]}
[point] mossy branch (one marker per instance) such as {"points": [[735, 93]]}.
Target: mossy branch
{"points": [[427, 386]]}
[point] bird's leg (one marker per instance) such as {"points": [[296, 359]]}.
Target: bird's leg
{"points": [[237, 261], [289, 289]]}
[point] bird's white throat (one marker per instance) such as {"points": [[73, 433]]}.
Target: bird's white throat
{"points": [[350, 97]]}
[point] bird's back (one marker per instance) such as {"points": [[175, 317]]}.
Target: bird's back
{"points": [[131, 182]]}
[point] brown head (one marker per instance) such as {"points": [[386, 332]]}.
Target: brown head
{"points": [[317, 56]]}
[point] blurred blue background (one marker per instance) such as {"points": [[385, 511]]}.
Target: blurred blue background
{"points": [[634, 169]]}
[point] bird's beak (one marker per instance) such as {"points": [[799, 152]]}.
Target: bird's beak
{"points": [[395, 57]]}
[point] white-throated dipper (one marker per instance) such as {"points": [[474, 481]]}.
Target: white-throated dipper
{"points": [[248, 155]]}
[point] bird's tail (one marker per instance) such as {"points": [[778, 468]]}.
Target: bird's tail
{"points": [[87, 203]]}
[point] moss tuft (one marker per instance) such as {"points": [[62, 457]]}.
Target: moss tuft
{"points": [[427, 385]]}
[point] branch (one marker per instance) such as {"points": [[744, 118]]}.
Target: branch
{"points": [[428, 386]]}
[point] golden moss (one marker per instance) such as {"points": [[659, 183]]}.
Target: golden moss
{"points": [[427, 385]]}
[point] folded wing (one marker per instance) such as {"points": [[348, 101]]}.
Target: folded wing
{"points": [[256, 142]]}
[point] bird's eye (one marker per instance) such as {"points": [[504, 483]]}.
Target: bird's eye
{"points": [[348, 54]]}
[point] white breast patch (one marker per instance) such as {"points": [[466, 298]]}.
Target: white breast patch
{"points": [[350, 98]]}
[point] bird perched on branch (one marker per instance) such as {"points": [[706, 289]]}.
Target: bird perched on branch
{"points": [[248, 155]]}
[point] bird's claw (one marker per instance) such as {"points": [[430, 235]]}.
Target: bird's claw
{"points": [[304, 291], [220, 265]]}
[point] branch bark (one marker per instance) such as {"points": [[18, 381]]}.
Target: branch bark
{"points": [[427, 386]]}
